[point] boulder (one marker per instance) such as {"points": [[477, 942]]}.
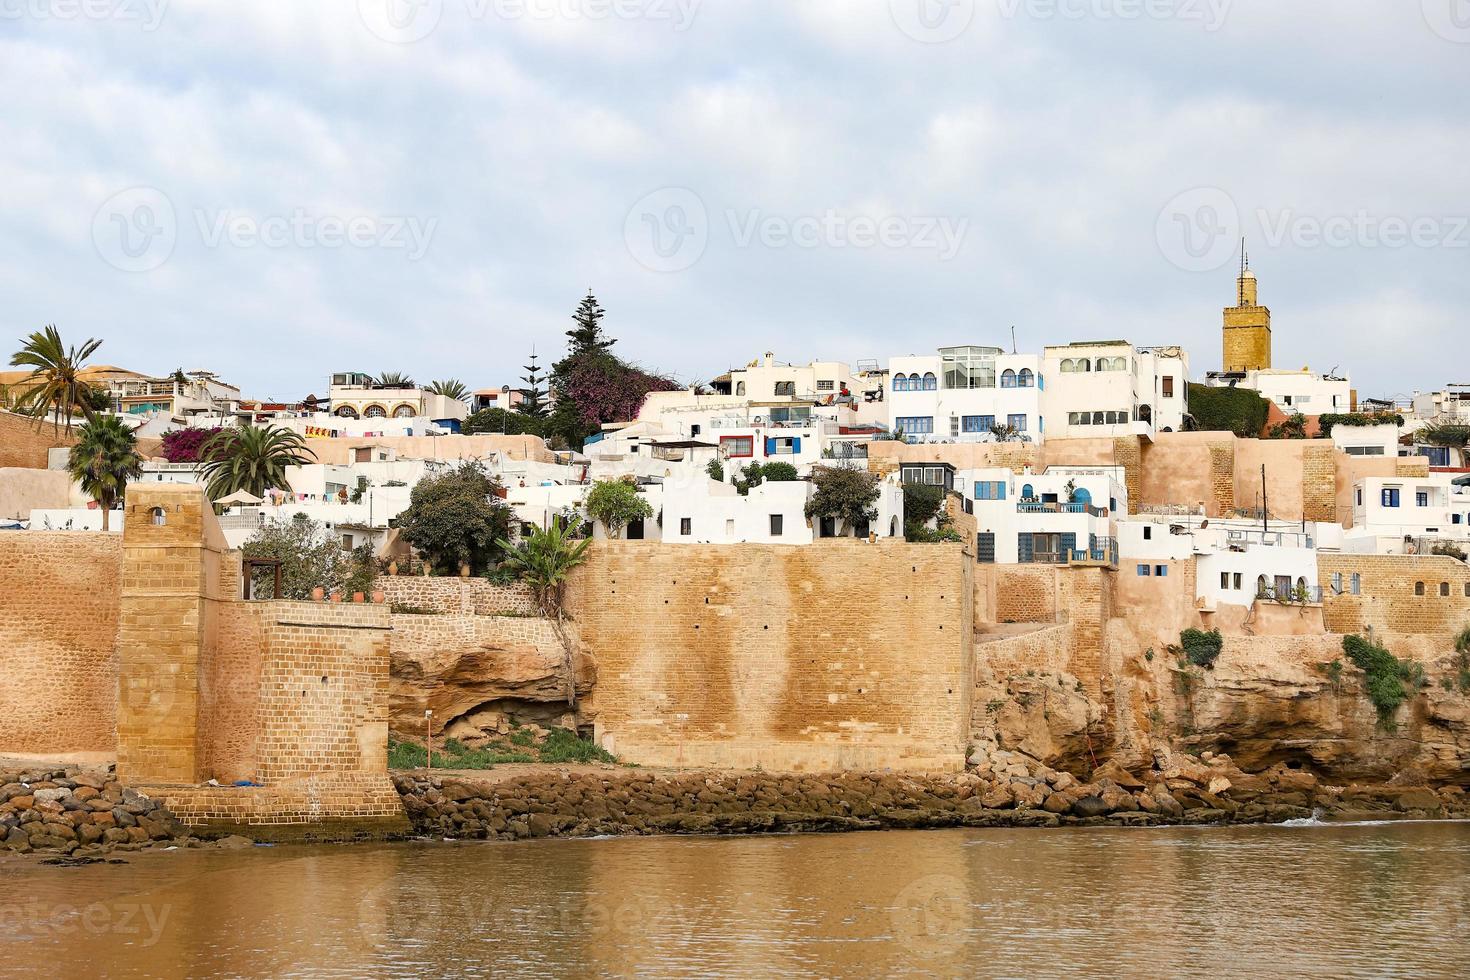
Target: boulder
{"points": [[1418, 799], [1090, 806], [1112, 770], [233, 842]]}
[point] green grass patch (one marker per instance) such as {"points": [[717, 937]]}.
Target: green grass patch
{"points": [[559, 745]]}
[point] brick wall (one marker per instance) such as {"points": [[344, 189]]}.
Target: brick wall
{"points": [[1319, 480], [1389, 601], [58, 641], [24, 444], [1016, 594], [834, 656], [1085, 593], [465, 596]]}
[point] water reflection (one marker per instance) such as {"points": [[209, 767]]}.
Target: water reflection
{"points": [[1347, 900]]}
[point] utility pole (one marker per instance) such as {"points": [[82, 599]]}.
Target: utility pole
{"points": [[1265, 503]]}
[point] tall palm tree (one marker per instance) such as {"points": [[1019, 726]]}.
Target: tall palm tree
{"points": [[394, 379], [104, 459], [55, 381], [545, 560], [252, 459], [451, 388]]}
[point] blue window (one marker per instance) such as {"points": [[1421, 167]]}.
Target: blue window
{"points": [[1390, 497], [1008, 378], [931, 383], [1028, 492], [1455, 519], [1026, 378], [1421, 499], [1017, 422], [1437, 455], [916, 425], [1144, 571], [990, 490], [978, 423], [1161, 571]]}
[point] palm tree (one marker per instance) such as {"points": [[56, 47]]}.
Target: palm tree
{"points": [[251, 459], [104, 459], [451, 388], [1453, 435], [545, 560], [55, 381], [393, 379]]}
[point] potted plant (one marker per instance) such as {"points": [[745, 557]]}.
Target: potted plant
{"points": [[318, 593]]}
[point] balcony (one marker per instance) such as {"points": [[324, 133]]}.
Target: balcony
{"points": [[1296, 595], [1103, 551], [1036, 507]]}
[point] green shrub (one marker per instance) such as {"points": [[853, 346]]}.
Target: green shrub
{"points": [[921, 504], [716, 470], [1201, 647], [562, 745], [1237, 410], [1326, 423], [1388, 679]]}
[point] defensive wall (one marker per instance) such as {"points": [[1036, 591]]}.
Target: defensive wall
{"points": [[837, 655]]}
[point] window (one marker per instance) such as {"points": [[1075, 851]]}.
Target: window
{"points": [[786, 388], [737, 447], [346, 542], [1008, 378], [1444, 590], [1237, 581], [916, 425], [686, 526], [931, 382], [375, 412], [954, 425], [1357, 584], [1390, 496], [979, 423], [1421, 499], [1365, 451], [783, 445], [777, 520], [1337, 583], [404, 412], [740, 387], [157, 517], [1360, 496], [1017, 422], [1144, 571], [1224, 580], [990, 490], [1168, 386], [1418, 588], [1025, 379], [826, 386], [1161, 570], [1148, 535]]}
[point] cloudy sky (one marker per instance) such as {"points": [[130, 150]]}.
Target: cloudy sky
{"points": [[278, 189]]}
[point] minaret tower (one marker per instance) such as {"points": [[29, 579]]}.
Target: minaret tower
{"points": [[1247, 331]]}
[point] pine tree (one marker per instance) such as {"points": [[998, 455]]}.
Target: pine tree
{"points": [[587, 336], [534, 402]]}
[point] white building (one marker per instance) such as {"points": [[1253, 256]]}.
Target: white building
{"points": [[1450, 405], [1112, 389], [1067, 515], [1293, 392], [355, 395], [1366, 440], [961, 393], [1409, 515]]}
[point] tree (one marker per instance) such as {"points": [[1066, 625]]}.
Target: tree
{"points": [[55, 381], [253, 460], [755, 474], [921, 504], [749, 478], [498, 420], [780, 472], [1293, 427], [103, 460], [534, 403], [846, 495], [185, 445], [545, 560], [179, 377], [587, 336], [455, 518], [451, 388], [716, 470], [309, 559], [1453, 435], [616, 503], [393, 379], [1005, 433]]}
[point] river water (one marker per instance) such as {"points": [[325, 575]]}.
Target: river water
{"points": [[1389, 899]]}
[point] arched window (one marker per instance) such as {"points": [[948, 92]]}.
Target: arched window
{"points": [[157, 516], [1418, 588], [1081, 496], [1084, 366], [1145, 413], [1026, 378], [1261, 587], [931, 383], [404, 412], [375, 412], [900, 382], [1069, 366], [740, 387], [1008, 378], [787, 388], [1301, 585], [346, 412], [1028, 492]]}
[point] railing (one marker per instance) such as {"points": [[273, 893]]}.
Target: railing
{"points": [[1169, 510], [1103, 551], [1278, 539], [240, 522], [1295, 595], [1032, 507]]}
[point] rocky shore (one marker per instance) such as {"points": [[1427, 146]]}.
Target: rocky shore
{"points": [[78, 812], [1014, 793]]}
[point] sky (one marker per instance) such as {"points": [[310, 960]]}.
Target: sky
{"points": [[275, 190]]}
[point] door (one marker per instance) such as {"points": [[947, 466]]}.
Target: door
{"points": [[635, 530]]}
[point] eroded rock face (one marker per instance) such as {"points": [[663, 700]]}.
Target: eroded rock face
{"points": [[458, 665], [1269, 700]]}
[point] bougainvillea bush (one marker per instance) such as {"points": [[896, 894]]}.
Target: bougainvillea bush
{"points": [[183, 445]]}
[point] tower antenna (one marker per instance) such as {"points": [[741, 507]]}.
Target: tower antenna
{"points": [[1240, 282]]}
